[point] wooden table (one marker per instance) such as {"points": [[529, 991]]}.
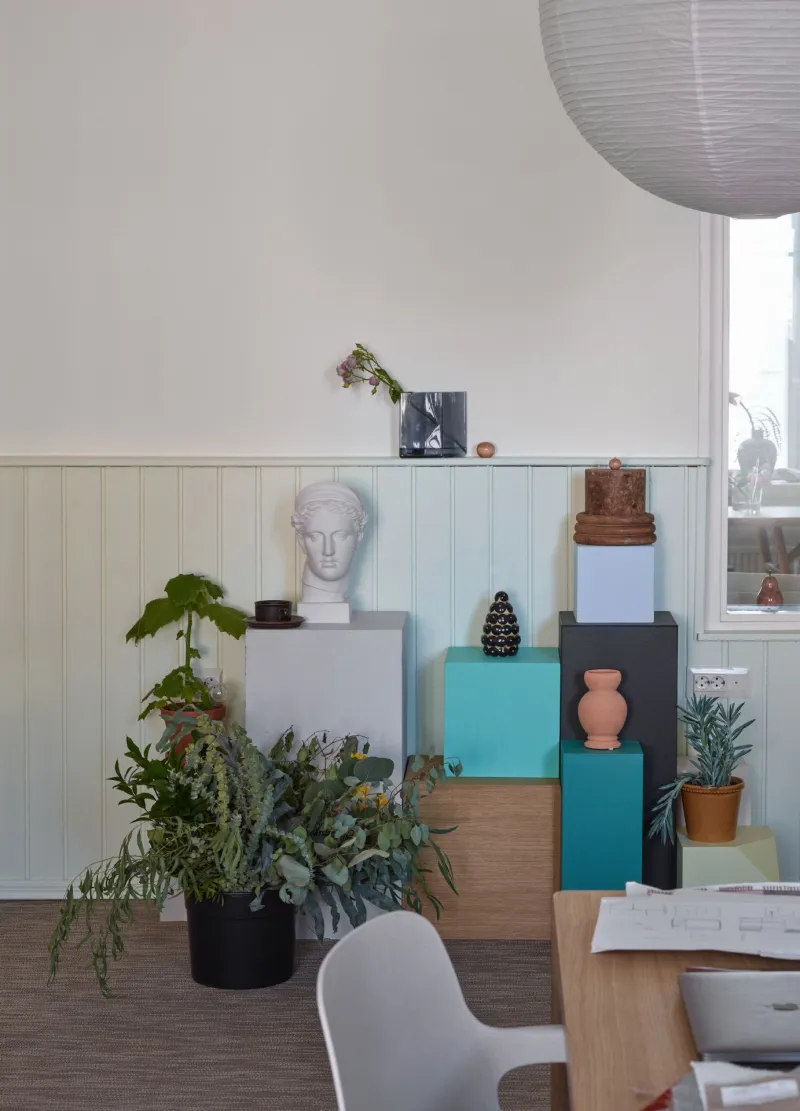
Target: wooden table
{"points": [[628, 1038]]}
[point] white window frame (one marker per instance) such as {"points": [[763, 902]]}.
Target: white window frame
{"points": [[713, 619]]}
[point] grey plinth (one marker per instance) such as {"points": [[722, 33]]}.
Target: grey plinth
{"points": [[340, 678]]}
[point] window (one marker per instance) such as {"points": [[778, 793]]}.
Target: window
{"points": [[763, 418]]}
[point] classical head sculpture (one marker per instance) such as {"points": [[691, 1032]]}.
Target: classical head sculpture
{"points": [[329, 522]]}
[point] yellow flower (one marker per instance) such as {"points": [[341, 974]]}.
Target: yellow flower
{"points": [[381, 800], [359, 755], [361, 791]]}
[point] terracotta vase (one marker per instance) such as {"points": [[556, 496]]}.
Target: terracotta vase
{"points": [[184, 737], [602, 710], [711, 813]]}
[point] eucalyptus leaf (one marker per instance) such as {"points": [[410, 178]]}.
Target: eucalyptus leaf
{"points": [[328, 897], [293, 871], [336, 871], [359, 858], [374, 769]]}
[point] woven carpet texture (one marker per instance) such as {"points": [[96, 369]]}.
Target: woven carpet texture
{"points": [[166, 1044]]}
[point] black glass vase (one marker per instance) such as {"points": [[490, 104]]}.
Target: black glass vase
{"points": [[433, 425]]}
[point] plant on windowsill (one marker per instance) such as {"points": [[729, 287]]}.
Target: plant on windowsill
{"points": [[759, 452], [710, 792], [241, 833], [188, 598]]}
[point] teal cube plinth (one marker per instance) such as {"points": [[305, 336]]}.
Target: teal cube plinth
{"points": [[501, 716], [601, 816]]}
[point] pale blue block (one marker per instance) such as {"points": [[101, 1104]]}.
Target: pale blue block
{"points": [[615, 585], [501, 716]]}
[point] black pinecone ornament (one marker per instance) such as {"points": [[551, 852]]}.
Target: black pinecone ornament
{"points": [[501, 630]]}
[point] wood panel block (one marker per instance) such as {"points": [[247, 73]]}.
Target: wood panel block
{"points": [[504, 853]]}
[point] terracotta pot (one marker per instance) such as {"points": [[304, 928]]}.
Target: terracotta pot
{"points": [[711, 813], [602, 710], [216, 713]]}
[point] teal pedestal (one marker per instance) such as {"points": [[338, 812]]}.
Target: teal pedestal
{"points": [[601, 816], [501, 716]]}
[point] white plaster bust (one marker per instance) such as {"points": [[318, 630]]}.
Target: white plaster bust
{"points": [[329, 522]]}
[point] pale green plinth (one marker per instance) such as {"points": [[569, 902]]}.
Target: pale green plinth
{"points": [[751, 858]]}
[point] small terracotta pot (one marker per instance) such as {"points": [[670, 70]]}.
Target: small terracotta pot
{"points": [[711, 813], [602, 710], [216, 713]]}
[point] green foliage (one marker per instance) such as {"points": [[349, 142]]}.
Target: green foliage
{"points": [[366, 836], [187, 597], [712, 731], [213, 814], [321, 823]]}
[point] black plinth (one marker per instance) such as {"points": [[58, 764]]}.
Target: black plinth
{"points": [[647, 656]]}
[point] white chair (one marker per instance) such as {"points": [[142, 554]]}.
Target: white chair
{"points": [[400, 1036]]}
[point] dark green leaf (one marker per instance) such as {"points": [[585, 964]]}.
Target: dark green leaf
{"points": [[228, 619], [158, 613], [192, 590]]}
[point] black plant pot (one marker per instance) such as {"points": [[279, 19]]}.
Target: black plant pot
{"points": [[232, 946]]}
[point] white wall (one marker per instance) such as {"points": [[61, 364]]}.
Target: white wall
{"points": [[204, 204]]}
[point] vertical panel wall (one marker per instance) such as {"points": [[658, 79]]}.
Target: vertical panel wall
{"points": [[82, 548]]}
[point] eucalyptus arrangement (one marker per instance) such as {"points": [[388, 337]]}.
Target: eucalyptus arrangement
{"points": [[710, 792], [190, 598], [320, 827], [362, 366], [363, 833]]}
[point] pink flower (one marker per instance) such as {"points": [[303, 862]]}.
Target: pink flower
{"points": [[374, 381]]}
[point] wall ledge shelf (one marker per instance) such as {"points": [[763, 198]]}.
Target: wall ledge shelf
{"points": [[342, 461]]}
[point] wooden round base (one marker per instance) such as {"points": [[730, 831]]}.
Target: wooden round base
{"points": [[615, 531], [599, 741]]}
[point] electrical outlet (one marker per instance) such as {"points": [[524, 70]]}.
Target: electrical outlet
{"points": [[719, 682], [210, 675]]}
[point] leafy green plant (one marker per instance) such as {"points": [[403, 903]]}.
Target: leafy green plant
{"points": [[223, 817], [191, 598], [712, 731], [365, 834]]}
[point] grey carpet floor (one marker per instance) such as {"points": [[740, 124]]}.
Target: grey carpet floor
{"points": [[166, 1044]]}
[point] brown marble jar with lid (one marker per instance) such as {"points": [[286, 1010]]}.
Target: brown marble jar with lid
{"points": [[615, 513]]}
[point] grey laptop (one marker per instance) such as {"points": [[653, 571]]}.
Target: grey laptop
{"points": [[750, 1018]]}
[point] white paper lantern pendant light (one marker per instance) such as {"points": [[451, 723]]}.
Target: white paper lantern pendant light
{"points": [[696, 101]]}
